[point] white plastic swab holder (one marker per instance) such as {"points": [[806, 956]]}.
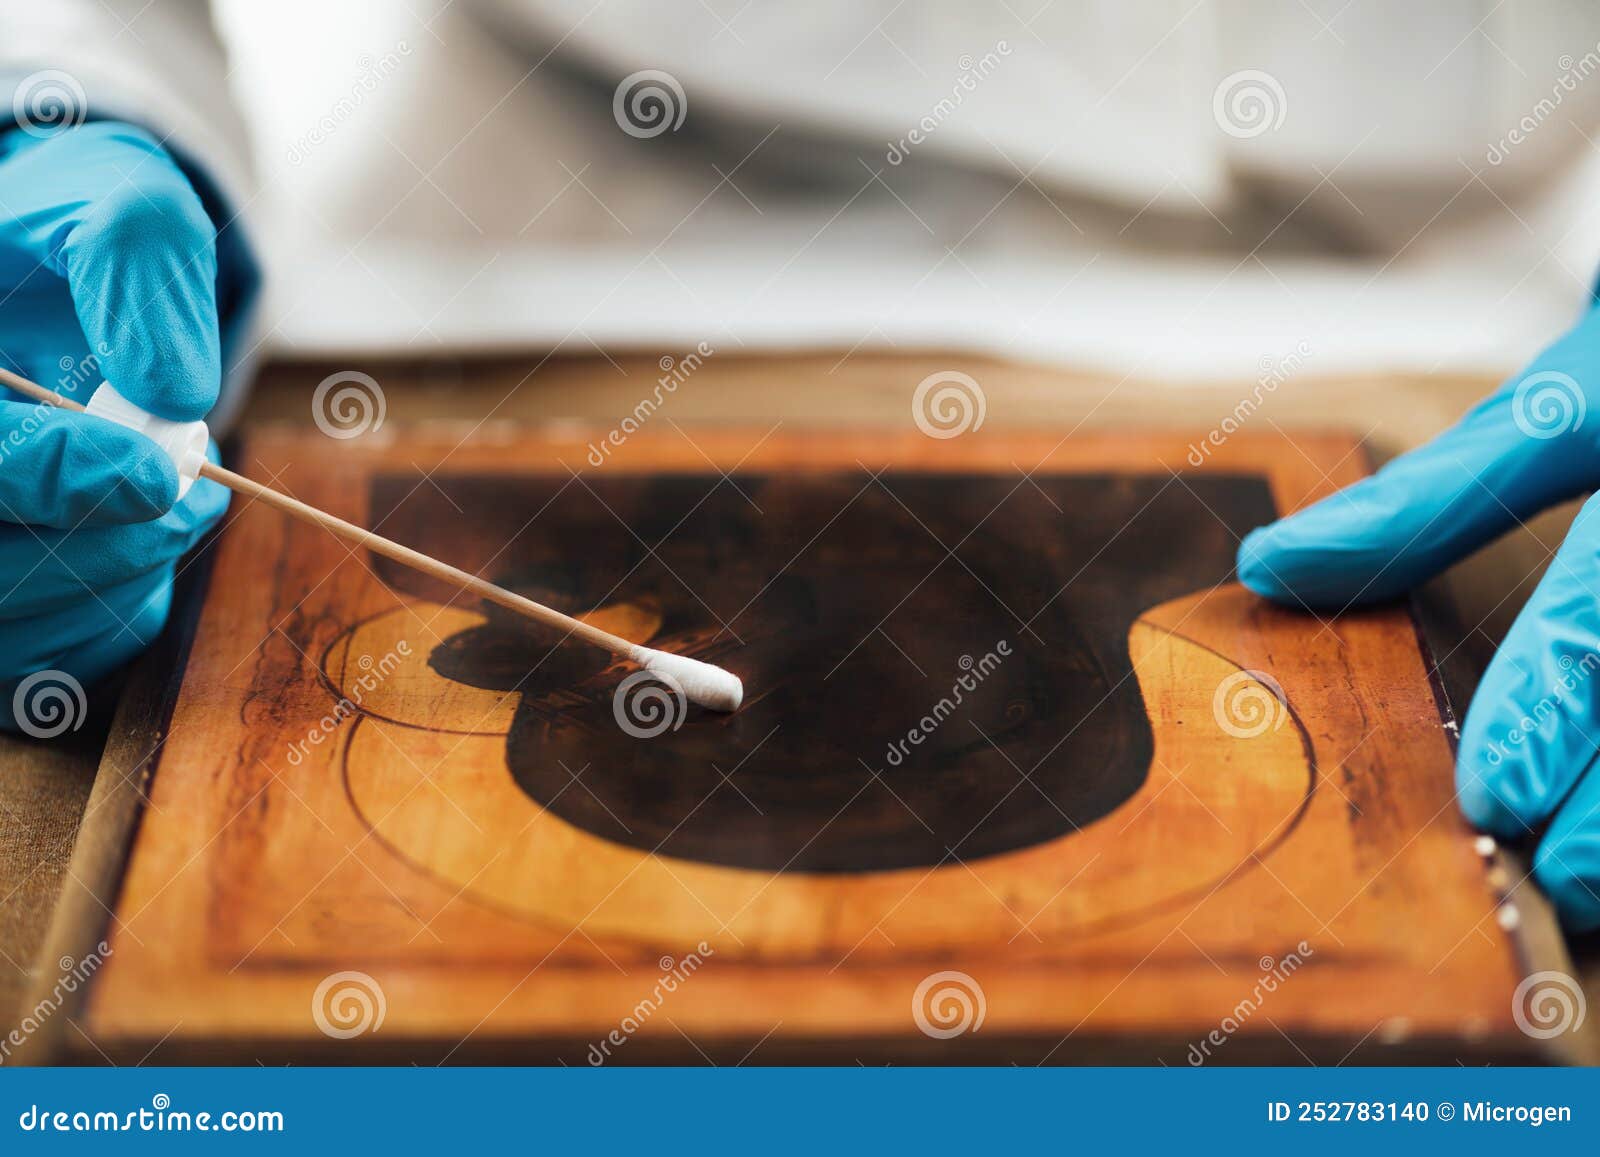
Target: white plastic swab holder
{"points": [[184, 442]]}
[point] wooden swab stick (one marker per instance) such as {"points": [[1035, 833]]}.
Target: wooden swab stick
{"points": [[705, 684]]}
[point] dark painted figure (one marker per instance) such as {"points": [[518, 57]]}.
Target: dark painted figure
{"points": [[855, 611]]}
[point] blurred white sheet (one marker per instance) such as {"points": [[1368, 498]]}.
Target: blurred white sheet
{"points": [[453, 178]]}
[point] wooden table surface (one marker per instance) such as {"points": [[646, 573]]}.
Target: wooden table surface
{"points": [[45, 787]]}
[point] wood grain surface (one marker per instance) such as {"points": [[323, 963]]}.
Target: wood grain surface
{"points": [[357, 780]]}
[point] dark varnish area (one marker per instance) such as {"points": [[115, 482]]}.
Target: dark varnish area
{"points": [[838, 601]]}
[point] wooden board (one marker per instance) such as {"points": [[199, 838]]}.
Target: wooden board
{"points": [[1007, 718]]}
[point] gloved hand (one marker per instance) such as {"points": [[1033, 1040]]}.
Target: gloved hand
{"points": [[108, 271], [1525, 766]]}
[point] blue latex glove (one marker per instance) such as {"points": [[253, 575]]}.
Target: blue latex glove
{"points": [[108, 271], [1528, 746]]}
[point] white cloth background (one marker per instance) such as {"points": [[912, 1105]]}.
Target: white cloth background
{"points": [[450, 176]]}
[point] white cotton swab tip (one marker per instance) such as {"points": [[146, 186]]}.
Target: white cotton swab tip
{"points": [[709, 686]]}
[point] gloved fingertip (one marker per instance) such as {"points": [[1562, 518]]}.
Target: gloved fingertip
{"points": [[142, 269], [1255, 565], [127, 477], [1309, 560], [148, 489], [1289, 562], [80, 470], [175, 380]]}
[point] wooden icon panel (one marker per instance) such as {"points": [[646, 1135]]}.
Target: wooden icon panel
{"points": [[1006, 717]]}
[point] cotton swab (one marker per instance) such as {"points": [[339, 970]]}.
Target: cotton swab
{"points": [[703, 683]]}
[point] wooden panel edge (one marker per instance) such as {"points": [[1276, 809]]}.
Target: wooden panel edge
{"points": [[1541, 946], [1537, 939], [105, 836]]}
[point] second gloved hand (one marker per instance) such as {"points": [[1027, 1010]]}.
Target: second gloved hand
{"points": [[1525, 766]]}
